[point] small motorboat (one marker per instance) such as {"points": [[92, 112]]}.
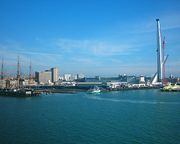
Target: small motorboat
{"points": [[94, 90]]}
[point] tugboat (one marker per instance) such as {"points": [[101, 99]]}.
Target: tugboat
{"points": [[95, 90]]}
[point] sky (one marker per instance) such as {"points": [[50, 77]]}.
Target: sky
{"points": [[93, 37]]}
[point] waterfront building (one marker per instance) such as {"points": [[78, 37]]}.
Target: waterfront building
{"points": [[61, 78], [116, 85], [73, 77], [2, 83], [12, 83], [172, 79], [55, 74], [94, 79], [140, 85], [43, 77], [37, 77], [48, 76], [178, 80], [67, 77], [122, 78], [68, 83], [70, 77], [141, 79], [98, 78], [132, 79], [80, 76], [28, 82]]}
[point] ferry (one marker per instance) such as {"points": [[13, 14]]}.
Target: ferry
{"points": [[172, 87]]}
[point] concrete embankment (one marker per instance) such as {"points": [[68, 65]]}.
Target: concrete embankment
{"points": [[81, 87]]}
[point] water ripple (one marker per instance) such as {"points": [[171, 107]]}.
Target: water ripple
{"points": [[132, 101]]}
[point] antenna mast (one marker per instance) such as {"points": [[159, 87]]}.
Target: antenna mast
{"points": [[164, 61], [164, 70]]}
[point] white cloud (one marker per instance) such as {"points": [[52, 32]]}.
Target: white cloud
{"points": [[94, 47]]}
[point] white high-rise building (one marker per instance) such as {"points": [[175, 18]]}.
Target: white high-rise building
{"points": [[67, 77], [141, 79]]}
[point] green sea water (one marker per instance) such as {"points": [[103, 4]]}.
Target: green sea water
{"points": [[124, 117]]}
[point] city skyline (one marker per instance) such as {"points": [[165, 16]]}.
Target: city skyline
{"points": [[103, 38]]}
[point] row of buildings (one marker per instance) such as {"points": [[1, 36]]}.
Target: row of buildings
{"points": [[51, 76], [47, 76]]}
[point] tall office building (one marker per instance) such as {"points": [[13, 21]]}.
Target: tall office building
{"points": [[55, 74], [67, 77], [47, 76]]}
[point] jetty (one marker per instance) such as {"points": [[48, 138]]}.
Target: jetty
{"points": [[19, 92]]}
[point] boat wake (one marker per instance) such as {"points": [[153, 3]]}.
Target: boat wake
{"points": [[132, 101]]}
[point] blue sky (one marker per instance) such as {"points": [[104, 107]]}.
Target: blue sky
{"points": [[94, 37]]}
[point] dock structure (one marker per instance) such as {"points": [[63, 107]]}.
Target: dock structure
{"points": [[19, 92]]}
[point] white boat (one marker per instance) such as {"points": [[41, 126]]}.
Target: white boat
{"points": [[94, 90], [171, 87]]}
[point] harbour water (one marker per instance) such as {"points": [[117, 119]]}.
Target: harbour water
{"points": [[126, 117]]}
